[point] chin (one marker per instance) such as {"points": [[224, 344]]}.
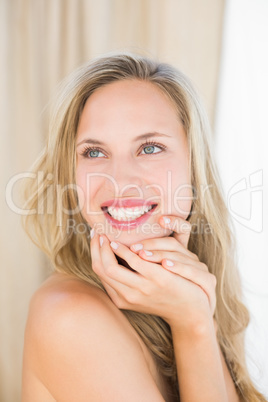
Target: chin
{"points": [[132, 237]]}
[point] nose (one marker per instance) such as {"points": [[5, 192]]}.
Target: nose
{"points": [[127, 177]]}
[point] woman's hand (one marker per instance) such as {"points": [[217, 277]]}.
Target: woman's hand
{"points": [[169, 281]]}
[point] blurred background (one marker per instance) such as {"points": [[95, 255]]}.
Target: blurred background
{"points": [[220, 44]]}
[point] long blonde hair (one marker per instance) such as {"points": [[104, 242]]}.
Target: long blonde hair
{"points": [[69, 251]]}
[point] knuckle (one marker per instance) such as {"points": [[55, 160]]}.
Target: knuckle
{"points": [[213, 280], [96, 267], [174, 242], [146, 289], [118, 302], [131, 298], [194, 256], [150, 244], [133, 260], [162, 281], [203, 266], [109, 269], [188, 270]]}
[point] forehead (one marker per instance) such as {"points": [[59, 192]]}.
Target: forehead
{"points": [[130, 105], [130, 89]]}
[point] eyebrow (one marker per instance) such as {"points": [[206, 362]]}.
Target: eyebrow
{"points": [[138, 138]]}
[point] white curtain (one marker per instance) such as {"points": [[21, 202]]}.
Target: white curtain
{"points": [[242, 147]]}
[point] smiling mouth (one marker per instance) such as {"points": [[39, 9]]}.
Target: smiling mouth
{"points": [[125, 217], [128, 214]]}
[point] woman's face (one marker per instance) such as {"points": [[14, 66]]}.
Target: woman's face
{"points": [[132, 161]]}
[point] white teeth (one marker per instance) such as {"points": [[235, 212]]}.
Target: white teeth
{"points": [[124, 214]]}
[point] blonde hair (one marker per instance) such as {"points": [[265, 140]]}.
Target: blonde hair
{"points": [[70, 251]]}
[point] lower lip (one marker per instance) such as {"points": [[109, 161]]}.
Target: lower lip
{"points": [[126, 225]]}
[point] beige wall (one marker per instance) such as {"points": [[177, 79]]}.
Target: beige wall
{"points": [[41, 41]]}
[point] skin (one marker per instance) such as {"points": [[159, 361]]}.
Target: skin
{"points": [[116, 115], [72, 324], [184, 293]]}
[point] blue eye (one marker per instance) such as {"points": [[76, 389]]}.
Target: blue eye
{"points": [[92, 153], [149, 149]]}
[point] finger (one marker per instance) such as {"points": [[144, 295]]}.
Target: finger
{"points": [[158, 255], [113, 294], [117, 291], [114, 270], [163, 243], [180, 227], [200, 277], [100, 267], [96, 259], [128, 287], [120, 295], [145, 269]]}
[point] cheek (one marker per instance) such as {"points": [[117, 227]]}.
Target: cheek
{"points": [[80, 186], [173, 185], [181, 190], [182, 200], [91, 187], [86, 190]]}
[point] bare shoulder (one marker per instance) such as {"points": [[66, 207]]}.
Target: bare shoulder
{"points": [[81, 347], [68, 305], [64, 298], [65, 303]]}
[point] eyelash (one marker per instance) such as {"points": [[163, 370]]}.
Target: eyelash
{"points": [[144, 145]]}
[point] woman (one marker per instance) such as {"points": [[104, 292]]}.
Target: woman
{"points": [[133, 312]]}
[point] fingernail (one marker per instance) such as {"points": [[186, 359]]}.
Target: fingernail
{"points": [[166, 220], [114, 245], [169, 263], [101, 240], [137, 247], [92, 232], [147, 252]]}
